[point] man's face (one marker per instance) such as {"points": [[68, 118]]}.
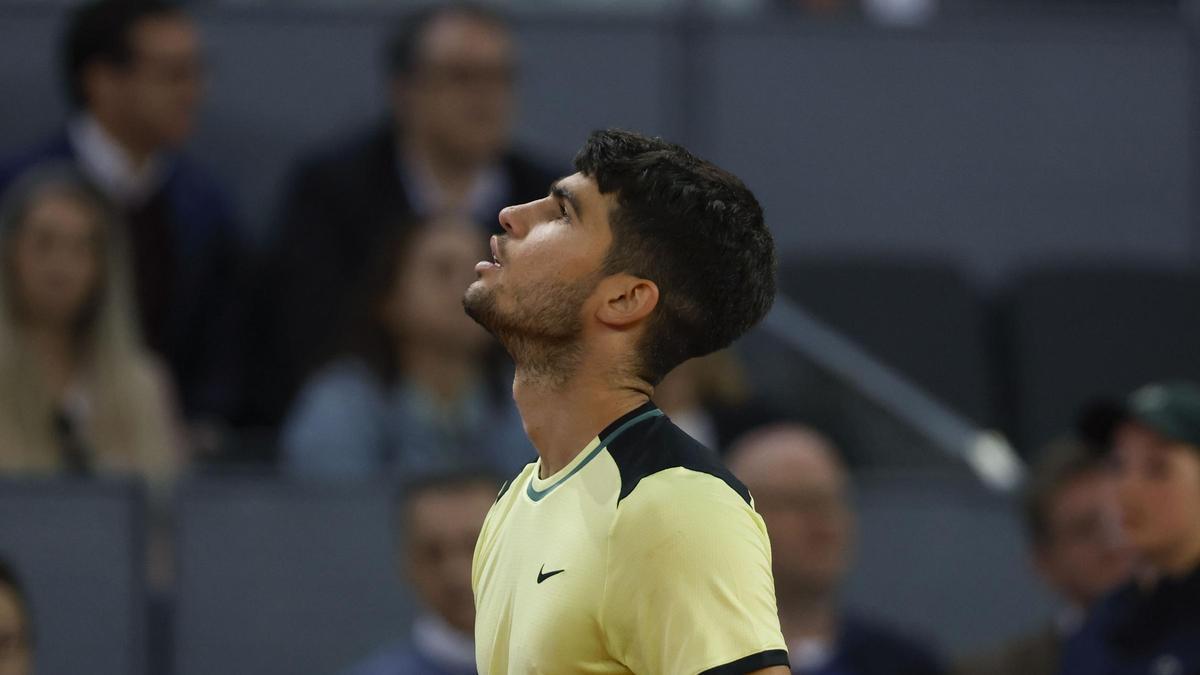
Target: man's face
{"points": [[548, 262], [442, 529], [801, 494], [1083, 555], [157, 94], [461, 90], [1158, 489]]}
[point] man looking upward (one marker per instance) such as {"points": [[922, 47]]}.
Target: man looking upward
{"points": [[626, 547]]}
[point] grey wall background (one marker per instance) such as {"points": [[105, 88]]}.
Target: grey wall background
{"points": [[993, 144], [78, 547]]}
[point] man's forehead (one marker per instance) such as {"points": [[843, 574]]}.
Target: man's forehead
{"points": [[578, 183], [166, 33], [454, 36]]}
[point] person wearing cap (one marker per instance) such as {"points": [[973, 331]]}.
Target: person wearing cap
{"points": [[1151, 626]]}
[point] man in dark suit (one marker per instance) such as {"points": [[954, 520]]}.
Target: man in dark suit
{"points": [[444, 151], [134, 76]]}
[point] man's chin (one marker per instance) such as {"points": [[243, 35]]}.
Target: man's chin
{"points": [[480, 305]]}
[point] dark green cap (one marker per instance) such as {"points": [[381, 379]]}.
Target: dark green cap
{"points": [[1170, 408]]}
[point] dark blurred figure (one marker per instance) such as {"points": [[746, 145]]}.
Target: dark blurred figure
{"points": [[441, 518], [16, 629], [134, 76], [78, 392], [710, 398], [412, 395], [1152, 624], [445, 151], [800, 487], [1071, 514]]}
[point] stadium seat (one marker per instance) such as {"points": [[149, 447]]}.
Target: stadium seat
{"points": [[1075, 334], [924, 319], [933, 549], [284, 579], [79, 549]]}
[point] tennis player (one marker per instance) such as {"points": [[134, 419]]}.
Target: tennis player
{"points": [[627, 546]]}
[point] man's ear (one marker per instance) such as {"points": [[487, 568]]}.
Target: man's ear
{"points": [[626, 300]]}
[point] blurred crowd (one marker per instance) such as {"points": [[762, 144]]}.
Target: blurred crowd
{"points": [[141, 333]]}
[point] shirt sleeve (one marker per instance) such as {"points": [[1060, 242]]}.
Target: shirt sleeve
{"points": [[689, 587]]}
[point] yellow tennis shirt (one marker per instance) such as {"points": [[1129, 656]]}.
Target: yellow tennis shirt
{"points": [[642, 555]]}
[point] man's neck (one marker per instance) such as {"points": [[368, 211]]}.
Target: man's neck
{"points": [[809, 617], [562, 417], [447, 375], [138, 153]]}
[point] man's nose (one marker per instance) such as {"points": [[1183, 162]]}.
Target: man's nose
{"points": [[515, 219], [506, 218]]}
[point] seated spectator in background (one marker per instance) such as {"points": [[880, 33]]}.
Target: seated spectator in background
{"points": [[1152, 624], [78, 393], [710, 399], [413, 395], [800, 487], [16, 629], [441, 519], [446, 150], [1070, 513], [134, 76]]}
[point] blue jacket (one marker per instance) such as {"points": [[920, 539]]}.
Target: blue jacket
{"points": [[868, 648], [199, 340], [1141, 632]]}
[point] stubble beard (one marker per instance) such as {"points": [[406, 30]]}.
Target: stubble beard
{"points": [[542, 332]]}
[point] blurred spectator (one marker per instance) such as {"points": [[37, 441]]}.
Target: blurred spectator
{"points": [[444, 151], [16, 631], [413, 394], [800, 487], [710, 399], [441, 518], [1152, 624], [1070, 512], [78, 393], [134, 76]]}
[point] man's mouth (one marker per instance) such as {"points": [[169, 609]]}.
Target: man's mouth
{"points": [[495, 245], [494, 264]]}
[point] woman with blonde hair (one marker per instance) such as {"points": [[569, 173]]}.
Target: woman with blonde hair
{"points": [[78, 392]]}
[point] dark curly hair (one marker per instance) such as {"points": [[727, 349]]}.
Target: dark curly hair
{"points": [[693, 229], [100, 32]]}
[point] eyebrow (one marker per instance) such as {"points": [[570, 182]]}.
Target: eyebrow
{"points": [[557, 190]]}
